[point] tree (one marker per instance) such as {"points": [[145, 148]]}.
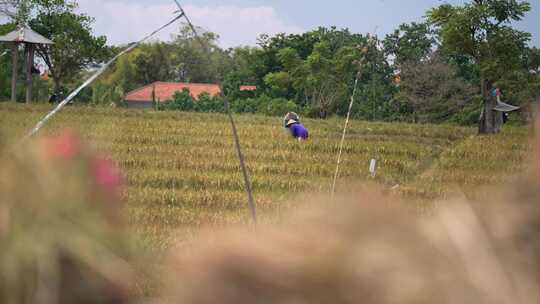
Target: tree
{"points": [[321, 80], [316, 70], [153, 63], [532, 60], [410, 43], [375, 88], [75, 47], [182, 101], [241, 72], [374, 101], [432, 90], [198, 59], [185, 59], [522, 86], [481, 30]]}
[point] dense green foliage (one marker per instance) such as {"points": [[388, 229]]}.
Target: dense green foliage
{"points": [[481, 32], [432, 90], [440, 62]]}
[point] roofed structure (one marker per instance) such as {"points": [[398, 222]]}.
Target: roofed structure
{"points": [[25, 35], [504, 107], [30, 39]]}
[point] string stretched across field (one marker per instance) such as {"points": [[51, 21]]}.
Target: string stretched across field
{"points": [[238, 147], [44, 120]]}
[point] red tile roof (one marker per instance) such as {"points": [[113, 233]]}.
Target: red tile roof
{"points": [[166, 90], [248, 88]]}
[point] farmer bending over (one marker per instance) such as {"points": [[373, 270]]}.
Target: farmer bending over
{"points": [[298, 131]]}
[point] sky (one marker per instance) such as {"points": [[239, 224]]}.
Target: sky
{"points": [[240, 22]]}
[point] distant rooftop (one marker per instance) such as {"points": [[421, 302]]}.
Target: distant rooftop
{"points": [[248, 88], [164, 91]]}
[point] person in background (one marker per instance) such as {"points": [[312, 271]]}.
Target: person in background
{"points": [[298, 131], [496, 92], [505, 117], [290, 116]]}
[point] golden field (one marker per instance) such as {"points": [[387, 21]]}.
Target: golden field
{"points": [[182, 171]]}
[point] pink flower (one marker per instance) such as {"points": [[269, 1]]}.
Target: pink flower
{"points": [[67, 145], [107, 177]]}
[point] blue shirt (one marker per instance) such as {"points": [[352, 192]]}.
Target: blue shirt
{"points": [[299, 131]]}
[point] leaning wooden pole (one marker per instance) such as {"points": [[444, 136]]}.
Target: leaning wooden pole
{"points": [[245, 174], [14, 72]]}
